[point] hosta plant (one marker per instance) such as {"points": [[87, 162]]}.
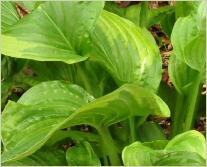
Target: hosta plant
{"points": [[89, 79]]}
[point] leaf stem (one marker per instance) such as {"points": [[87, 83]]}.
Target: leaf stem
{"points": [[193, 98], [109, 146], [177, 117], [132, 129]]}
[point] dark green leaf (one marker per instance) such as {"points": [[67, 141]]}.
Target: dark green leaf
{"points": [[150, 131]]}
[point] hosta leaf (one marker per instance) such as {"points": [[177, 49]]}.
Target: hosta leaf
{"points": [[150, 131], [55, 31], [184, 29], [181, 159], [114, 8], [82, 154], [30, 5], [181, 75], [195, 53], [101, 83], [156, 144], [53, 105], [188, 39], [157, 15], [72, 134], [119, 105], [9, 15], [137, 154], [33, 114], [184, 8], [192, 141], [43, 157], [175, 152], [128, 52]]}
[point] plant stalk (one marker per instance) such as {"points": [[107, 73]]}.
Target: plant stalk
{"points": [[178, 115], [109, 147], [132, 129], [193, 98]]}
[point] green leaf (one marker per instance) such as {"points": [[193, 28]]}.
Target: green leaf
{"points": [[181, 159], [53, 105], [55, 31], [74, 135], [181, 75], [167, 23], [195, 53], [184, 8], [156, 16], [43, 157], [129, 56], [156, 144], [9, 15], [136, 154], [188, 39], [192, 141], [184, 29], [150, 131], [101, 83], [114, 8], [133, 13], [40, 110], [79, 73], [82, 155], [30, 5], [175, 152]]}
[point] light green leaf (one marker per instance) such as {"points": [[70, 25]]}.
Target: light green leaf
{"points": [[184, 29], [55, 31], [175, 152], [9, 15], [181, 75], [133, 13], [128, 52], [137, 154], [53, 105], [40, 110], [82, 155], [30, 5], [195, 53], [43, 157], [181, 159], [156, 144], [191, 141]]}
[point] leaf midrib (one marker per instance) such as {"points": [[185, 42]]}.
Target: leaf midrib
{"points": [[57, 28]]}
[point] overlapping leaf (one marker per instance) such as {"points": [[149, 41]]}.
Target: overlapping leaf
{"points": [[55, 31], [43, 157], [53, 105], [188, 39], [86, 155], [176, 151], [9, 15], [128, 52]]}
